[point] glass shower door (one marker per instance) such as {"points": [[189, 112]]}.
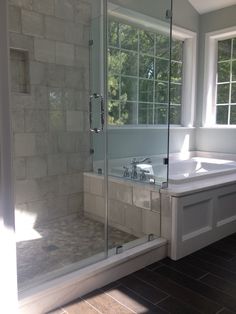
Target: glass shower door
{"points": [[138, 118], [56, 221]]}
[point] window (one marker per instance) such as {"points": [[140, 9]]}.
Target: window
{"points": [[226, 82], [138, 68], [219, 97]]}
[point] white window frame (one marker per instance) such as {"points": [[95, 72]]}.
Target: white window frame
{"points": [[210, 72], [189, 58]]}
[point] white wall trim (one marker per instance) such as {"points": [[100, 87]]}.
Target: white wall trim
{"points": [[190, 54], [210, 71]]}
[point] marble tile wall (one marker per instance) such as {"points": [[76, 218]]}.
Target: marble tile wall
{"points": [[50, 122], [132, 207]]}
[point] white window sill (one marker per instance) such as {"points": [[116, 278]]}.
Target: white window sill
{"points": [[151, 127], [224, 127]]}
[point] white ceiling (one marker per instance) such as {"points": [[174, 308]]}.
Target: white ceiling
{"points": [[204, 6]]}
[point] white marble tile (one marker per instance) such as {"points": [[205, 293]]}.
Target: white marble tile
{"points": [[151, 222], [24, 144], [65, 54], [36, 167], [57, 164], [32, 23], [45, 50], [54, 28], [14, 23], [44, 6]]}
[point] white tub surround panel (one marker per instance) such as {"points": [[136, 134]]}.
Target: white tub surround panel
{"points": [[192, 220]]}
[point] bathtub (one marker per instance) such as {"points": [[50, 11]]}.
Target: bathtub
{"points": [[180, 171], [197, 168]]}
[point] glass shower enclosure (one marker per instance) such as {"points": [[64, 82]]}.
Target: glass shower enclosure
{"points": [[89, 110]]}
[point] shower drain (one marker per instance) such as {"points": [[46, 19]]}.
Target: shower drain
{"points": [[50, 248]]}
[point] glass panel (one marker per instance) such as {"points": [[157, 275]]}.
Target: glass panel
{"points": [[145, 113], [175, 114], [136, 151], [129, 88], [175, 94], [146, 42], [113, 33], [146, 90], [161, 114], [177, 50], [224, 72], [162, 46], [128, 37], [114, 64], [113, 87], [223, 93], [224, 49], [129, 61], [222, 114], [55, 208], [162, 69], [233, 115], [146, 67], [161, 92], [176, 72], [234, 48], [234, 71], [233, 93]]}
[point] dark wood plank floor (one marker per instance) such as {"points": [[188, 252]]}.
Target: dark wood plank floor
{"points": [[203, 282]]}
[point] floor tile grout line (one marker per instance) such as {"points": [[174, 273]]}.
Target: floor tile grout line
{"points": [[139, 295], [203, 276], [202, 296], [150, 283], [221, 310], [207, 298], [165, 298], [217, 265], [120, 303], [87, 302]]}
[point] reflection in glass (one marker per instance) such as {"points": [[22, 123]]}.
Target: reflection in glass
{"points": [[222, 114]]}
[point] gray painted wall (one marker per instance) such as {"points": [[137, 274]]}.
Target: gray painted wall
{"points": [[216, 140]]}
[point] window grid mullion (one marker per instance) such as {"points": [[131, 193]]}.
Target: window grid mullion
{"points": [[138, 69], [230, 80]]}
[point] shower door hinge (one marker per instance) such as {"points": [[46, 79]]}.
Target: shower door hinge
{"points": [[90, 43], [168, 14], [166, 161]]}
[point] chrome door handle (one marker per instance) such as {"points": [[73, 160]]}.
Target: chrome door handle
{"points": [[102, 111]]}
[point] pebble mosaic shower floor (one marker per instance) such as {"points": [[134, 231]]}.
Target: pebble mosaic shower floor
{"points": [[63, 242]]}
